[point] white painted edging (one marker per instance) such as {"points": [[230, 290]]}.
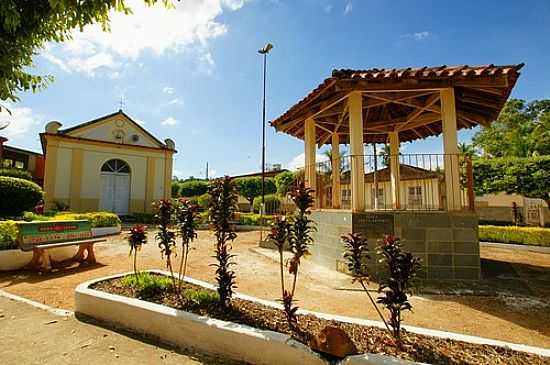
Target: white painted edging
{"points": [[52, 310], [205, 334], [105, 231]]}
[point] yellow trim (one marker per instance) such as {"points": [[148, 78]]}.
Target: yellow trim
{"points": [[50, 169], [149, 183], [80, 141], [167, 176], [76, 180], [110, 119]]}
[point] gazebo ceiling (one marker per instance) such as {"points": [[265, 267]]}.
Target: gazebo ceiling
{"points": [[403, 100]]}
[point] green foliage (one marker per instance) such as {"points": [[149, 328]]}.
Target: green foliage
{"points": [[146, 284], [526, 176], [26, 27], [284, 182], [222, 208], [200, 297], [18, 195], [521, 130], [402, 269], [21, 174], [8, 235], [30, 217], [253, 219], [175, 188], [537, 236], [204, 200], [147, 218], [165, 237], [251, 187], [187, 220], [193, 188], [96, 219], [272, 204]]}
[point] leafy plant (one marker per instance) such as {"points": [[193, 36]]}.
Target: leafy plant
{"points": [[8, 235], [222, 208], [166, 237], [200, 297], [356, 254], [17, 195], [13, 172], [271, 201], [538, 236], [279, 235], [146, 284], [251, 187], [136, 238], [402, 269], [299, 239], [187, 219], [284, 182]]}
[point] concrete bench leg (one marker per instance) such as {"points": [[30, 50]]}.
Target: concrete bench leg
{"points": [[40, 260], [90, 255]]}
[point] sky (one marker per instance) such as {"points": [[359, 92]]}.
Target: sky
{"points": [[193, 73]]}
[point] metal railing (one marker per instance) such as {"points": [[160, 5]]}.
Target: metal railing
{"points": [[426, 182]]}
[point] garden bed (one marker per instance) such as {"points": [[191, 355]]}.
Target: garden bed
{"points": [[271, 320]]}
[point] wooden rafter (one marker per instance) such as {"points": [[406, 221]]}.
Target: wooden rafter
{"points": [[415, 114], [405, 103]]}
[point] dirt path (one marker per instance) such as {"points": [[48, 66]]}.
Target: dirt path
{"points": [[320, 289], [34, 336]]}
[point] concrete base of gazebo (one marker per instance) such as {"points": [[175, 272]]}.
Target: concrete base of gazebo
{"points": [[447, 242]]}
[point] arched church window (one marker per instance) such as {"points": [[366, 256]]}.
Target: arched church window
{"points": [[115, 165]]}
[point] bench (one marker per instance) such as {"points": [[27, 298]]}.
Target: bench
{"points": [[39, 237]]}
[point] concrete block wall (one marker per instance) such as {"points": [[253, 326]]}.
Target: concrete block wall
{"points": [[446, 242]]}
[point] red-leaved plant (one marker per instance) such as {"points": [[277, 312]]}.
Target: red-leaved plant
{"points": [[187, 218], [136, 238], [356, 255], [223, 205], [402, 269], [166, 237], [279, 236]]}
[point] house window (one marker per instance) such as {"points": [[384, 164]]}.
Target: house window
{"points": [[415, 196], [380, 198], [19, 165], [7, 163], [346, 195]]}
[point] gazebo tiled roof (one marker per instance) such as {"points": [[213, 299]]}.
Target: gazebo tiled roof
{"points": [[405, 100]]}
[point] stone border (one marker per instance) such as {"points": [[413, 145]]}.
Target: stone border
{"points": [[208, 334], [47, 308], [106, 231]]}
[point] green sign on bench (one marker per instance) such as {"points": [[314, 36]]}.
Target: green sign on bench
{"points": [[35, 233]]}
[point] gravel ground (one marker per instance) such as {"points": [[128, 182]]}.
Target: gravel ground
{"points": [[319, 289]]}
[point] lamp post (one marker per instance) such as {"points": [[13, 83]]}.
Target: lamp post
{"points": [[263, 51]]}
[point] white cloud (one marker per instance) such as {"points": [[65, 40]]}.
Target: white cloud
{"points": [[298, 162], [348, 8], [175, 101], [23, 122], [170, 121], [418, 36], [168, 90], [188, 27]]}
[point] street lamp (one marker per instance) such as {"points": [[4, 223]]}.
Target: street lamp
{"points": [[263, 51]]}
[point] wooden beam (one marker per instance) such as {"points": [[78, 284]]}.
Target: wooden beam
{"points": [[413, 115], [409, 104]]}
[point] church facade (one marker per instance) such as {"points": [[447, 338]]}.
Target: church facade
{"points": [[107, 164]]}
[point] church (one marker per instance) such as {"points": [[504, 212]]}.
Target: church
{"points": [[108, 164]]}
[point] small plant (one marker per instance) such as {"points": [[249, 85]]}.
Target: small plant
{"points": [[222, 207], [187, 218], [166, 237], [201, 297], [356, 254], [402, 269], [299, 238], [147, 285], [136, 239]]}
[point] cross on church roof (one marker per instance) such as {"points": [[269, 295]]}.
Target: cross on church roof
{"points": [[121, 102]]}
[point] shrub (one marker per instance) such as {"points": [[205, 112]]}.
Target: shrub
{"points": [[203, 201], [200, 297], [193, 188], [222, 209], [18, 173], [272, 204], [18, 195], [251, 187], [137, 238], [30, 217], [8, 235], [187, 220], [519, 235], [96, 219], [253, 219], [166, 237], [146, 218], [402, 268], [175, 189], [146, 284]]}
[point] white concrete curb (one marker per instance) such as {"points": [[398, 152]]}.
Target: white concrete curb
{"points": [[52, 310], [256, 346], [105, 231]]}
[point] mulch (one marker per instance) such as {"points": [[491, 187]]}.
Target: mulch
{"points": [[369, 339]]}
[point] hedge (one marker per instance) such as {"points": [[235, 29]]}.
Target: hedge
{"points": [[18, 173], [537, 236], [18, 195], [96, 219], [193, 188], [253, 219], [272, 204], [8, 235]]}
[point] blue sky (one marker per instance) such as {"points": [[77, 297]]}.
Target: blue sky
{"points": [[193, 74]]}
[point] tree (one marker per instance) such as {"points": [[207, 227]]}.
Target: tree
{"points": [[284, 182], [521, 130], [251, 187], [27, 25], [528, 176], [193, 188]]}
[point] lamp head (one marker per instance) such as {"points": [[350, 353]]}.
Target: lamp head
{"points": [[265, 50]]}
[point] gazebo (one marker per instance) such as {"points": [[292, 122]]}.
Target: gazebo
{"points": [[359, 107]]}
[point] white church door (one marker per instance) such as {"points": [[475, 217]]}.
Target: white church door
{"points": [[115, 187]]}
